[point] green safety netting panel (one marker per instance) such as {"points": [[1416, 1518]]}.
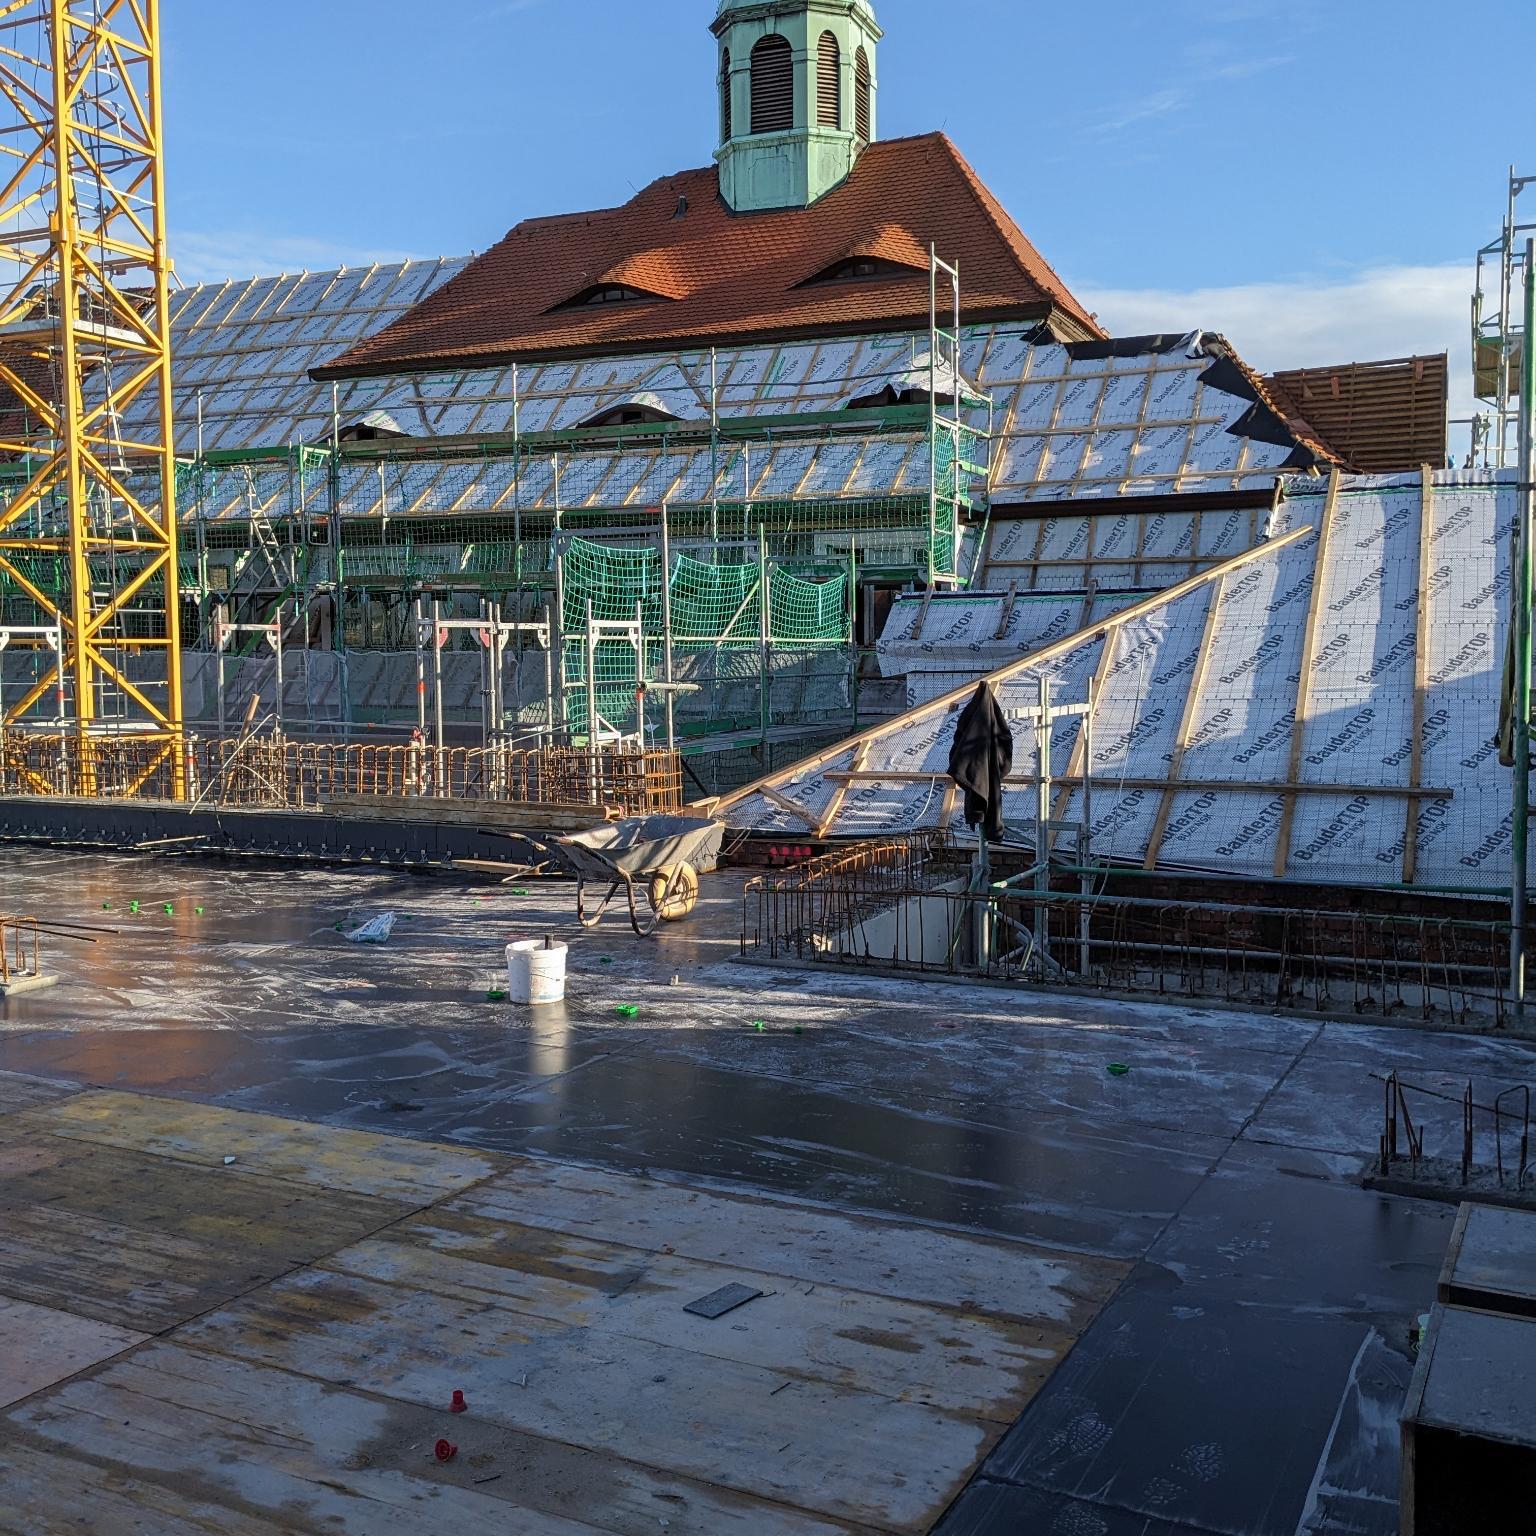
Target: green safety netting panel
{"points": [[807, 610], [720, 603], [613, 578]]}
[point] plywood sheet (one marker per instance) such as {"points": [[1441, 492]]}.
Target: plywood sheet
{"points": [[824, 1247], [719, 1421], [40, 1346], [245, 1435], [358, 1162], [18, 1091], [959, 1360]]}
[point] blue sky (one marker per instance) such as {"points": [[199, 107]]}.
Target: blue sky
{"points": [[1310, 176]]}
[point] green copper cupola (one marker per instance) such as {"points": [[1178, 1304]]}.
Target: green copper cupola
{"points": [[797, 88]]}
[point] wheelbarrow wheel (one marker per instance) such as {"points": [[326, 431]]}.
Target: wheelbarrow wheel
{"points": [[674, 892]]}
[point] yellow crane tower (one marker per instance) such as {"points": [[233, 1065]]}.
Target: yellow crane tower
{"points": [[87, 457]]}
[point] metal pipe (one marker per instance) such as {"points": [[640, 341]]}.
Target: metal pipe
{"points": [[666, 627], [1520, 841]]}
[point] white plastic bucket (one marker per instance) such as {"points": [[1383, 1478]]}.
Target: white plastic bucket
{"points": [[536, 973]]}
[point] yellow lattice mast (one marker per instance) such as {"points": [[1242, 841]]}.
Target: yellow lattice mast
{"points": [[87, 462]]}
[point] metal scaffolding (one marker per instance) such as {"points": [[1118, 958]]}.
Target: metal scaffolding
{"points": [[84, 343], [1498, 332]]}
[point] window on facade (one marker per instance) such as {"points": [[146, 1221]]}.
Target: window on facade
{"points": [[726, 127], [773, 86], [863, 89], [829, 83]]}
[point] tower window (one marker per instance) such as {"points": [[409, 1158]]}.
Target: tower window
{"points": [[863, 91], [773, 85], [829, 83], [727, 128]]}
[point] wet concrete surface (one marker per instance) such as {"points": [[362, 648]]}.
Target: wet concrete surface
{"points": [[1245, 1381]]}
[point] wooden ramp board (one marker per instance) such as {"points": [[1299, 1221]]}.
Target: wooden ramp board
{"points": [[342, 1462], [39, 1347], [862, 1253], [356, 1162]]}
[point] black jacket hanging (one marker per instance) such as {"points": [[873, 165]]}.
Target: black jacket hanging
{"points": [[981, 758]]}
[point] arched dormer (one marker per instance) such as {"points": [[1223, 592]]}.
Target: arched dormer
{"points": [[798, 92]]}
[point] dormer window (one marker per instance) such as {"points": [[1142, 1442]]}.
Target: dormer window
{"points": [[607, 293], [861, 269], [641, 410]]}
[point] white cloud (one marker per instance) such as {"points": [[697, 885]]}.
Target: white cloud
{"points": [[213, 256], [1376, 313]]}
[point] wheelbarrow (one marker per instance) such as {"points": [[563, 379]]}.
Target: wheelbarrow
{"points": [[659, 857]]}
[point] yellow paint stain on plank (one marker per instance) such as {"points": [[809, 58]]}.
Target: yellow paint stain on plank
{"points": [[222, 1207], [357, 1162]]}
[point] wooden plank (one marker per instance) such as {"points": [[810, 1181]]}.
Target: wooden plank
{"points": [[48, 1495], [691, 1415], [1036, 659], [502, 814], [17, 1091], [1304, 678], [1238, 786], [247, 1436], [1008, 606], [1186, 725], [40, 1346], [358, 1162], [823, 1247], [790, 807], [1420, 672], [229, 1209], [124, 1276], [979, 1367], [840, 794]]}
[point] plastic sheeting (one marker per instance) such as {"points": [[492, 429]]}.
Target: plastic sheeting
{"points": [[1236, 640]]}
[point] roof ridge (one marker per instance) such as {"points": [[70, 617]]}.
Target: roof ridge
{"points": [[1005, 224]]}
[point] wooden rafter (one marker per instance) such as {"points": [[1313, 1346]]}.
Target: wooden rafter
{"points": [[1420, 674], [1186, 723], [1304, 679]]}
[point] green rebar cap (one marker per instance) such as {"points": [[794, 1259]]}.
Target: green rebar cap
{"points": [[133, 906], [197, 911], [168, 909], [627, 1011], [1117, 1069]]}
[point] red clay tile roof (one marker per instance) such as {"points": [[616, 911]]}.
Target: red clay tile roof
{"points": [[1379, 418], [729, 277]]}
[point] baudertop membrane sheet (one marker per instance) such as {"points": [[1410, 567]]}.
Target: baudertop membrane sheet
{"points": [[1195, 777], [1067, 421]]}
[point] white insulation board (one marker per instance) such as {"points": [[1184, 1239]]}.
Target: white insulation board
{"points": [[1358, 732]]}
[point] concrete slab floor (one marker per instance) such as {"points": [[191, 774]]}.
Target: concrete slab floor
{"points": [[1243, 1381]]}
